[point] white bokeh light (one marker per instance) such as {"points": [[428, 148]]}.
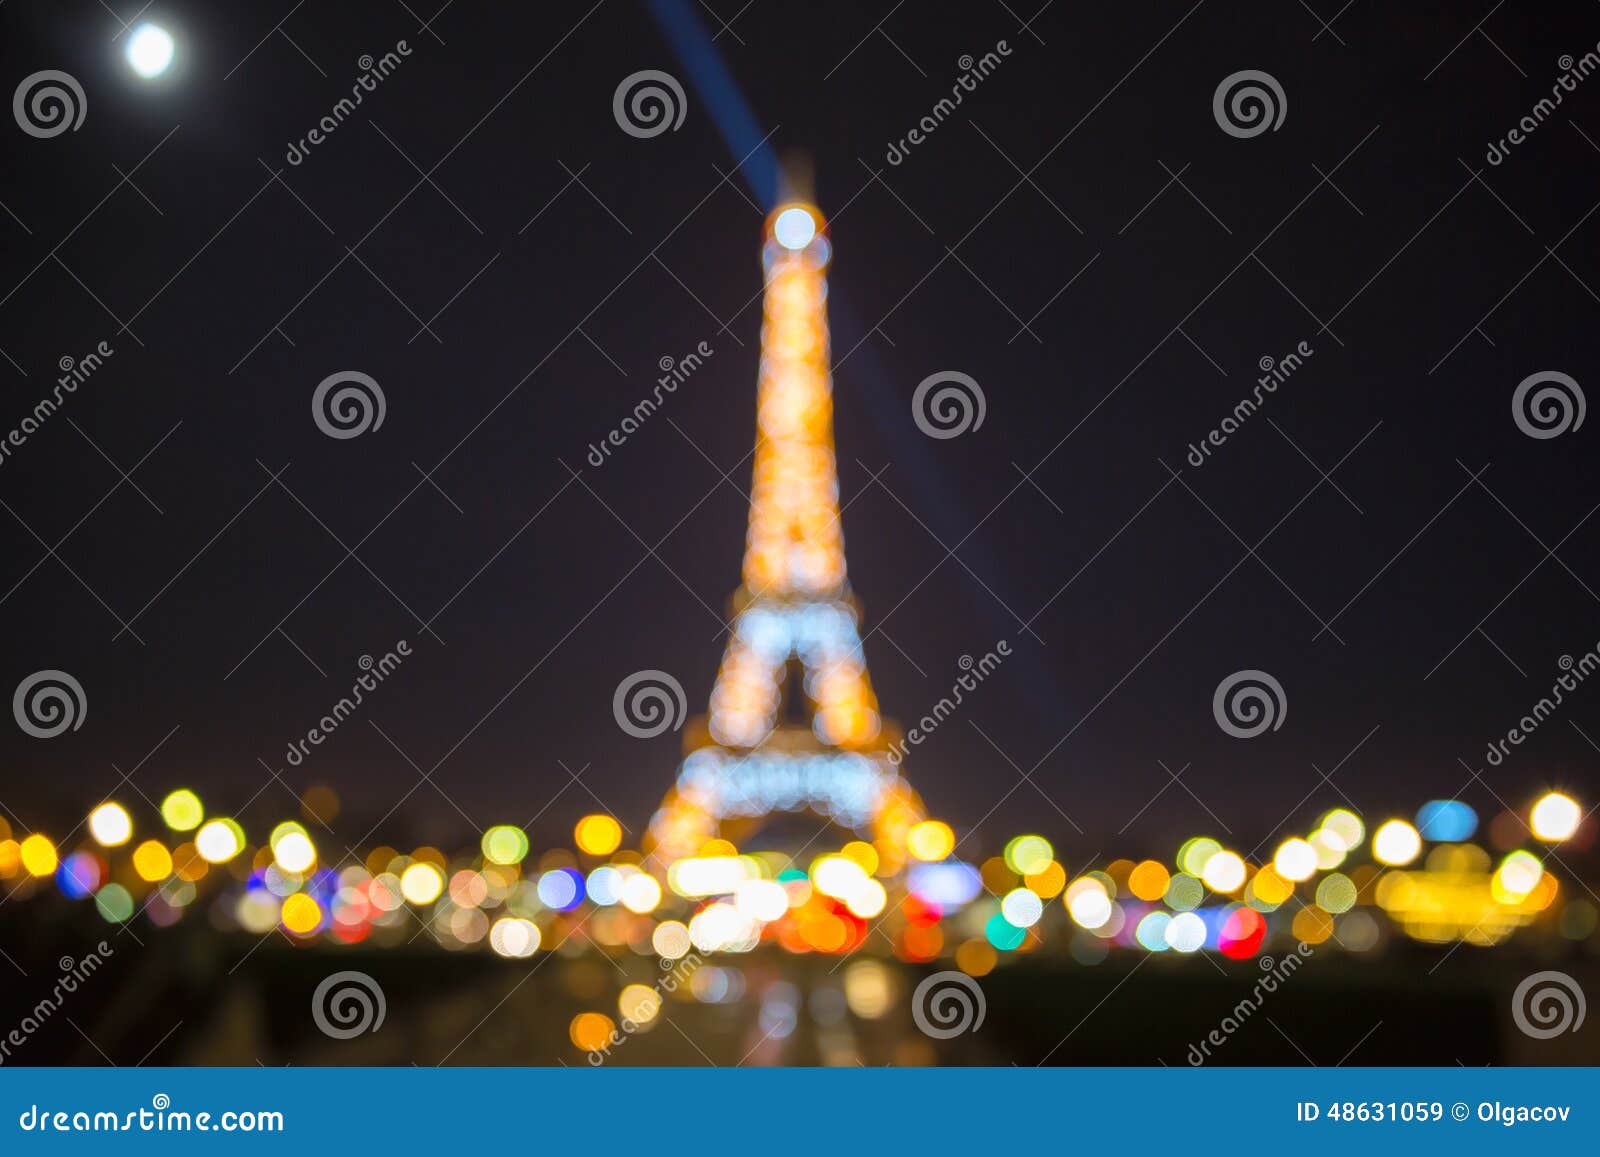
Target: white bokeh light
{"points": [[794, 228], [149, 50]]}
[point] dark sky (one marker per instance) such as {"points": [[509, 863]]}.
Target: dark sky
{"points": [[1427, 282]]}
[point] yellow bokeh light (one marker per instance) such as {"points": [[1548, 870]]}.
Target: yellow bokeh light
{"points": [[976, 957], [1311, 925], [152, 861], [1027, 854], [1148, 880], [181, 810], [38, 855], [1194, 853], [1047, 884], [598, 835], [1396, 843], [300, 914], [931, 840], [1269, 887], [1518, 874], [591, 1031], [218, 841], [1555, 818], [1346, 825], [421, 884], [639, 1003], [110, 825], [863, 854]]}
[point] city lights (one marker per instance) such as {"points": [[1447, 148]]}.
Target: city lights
{"points": [[149, 50], [1555, 818], [879, 881], [110, 825], [1396, 842]]}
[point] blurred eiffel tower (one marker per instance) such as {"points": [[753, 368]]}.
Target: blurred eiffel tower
{"points": [[794, 724]]}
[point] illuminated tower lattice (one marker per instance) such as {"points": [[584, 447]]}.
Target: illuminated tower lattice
{"points": [[794, 632]]}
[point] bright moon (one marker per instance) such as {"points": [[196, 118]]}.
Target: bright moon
{"points": [[149, 50]]}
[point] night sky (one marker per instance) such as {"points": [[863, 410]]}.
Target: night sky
{"points": [[1080, 236]]}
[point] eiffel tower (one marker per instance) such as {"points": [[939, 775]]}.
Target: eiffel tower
{"points": [[794, 724]]}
